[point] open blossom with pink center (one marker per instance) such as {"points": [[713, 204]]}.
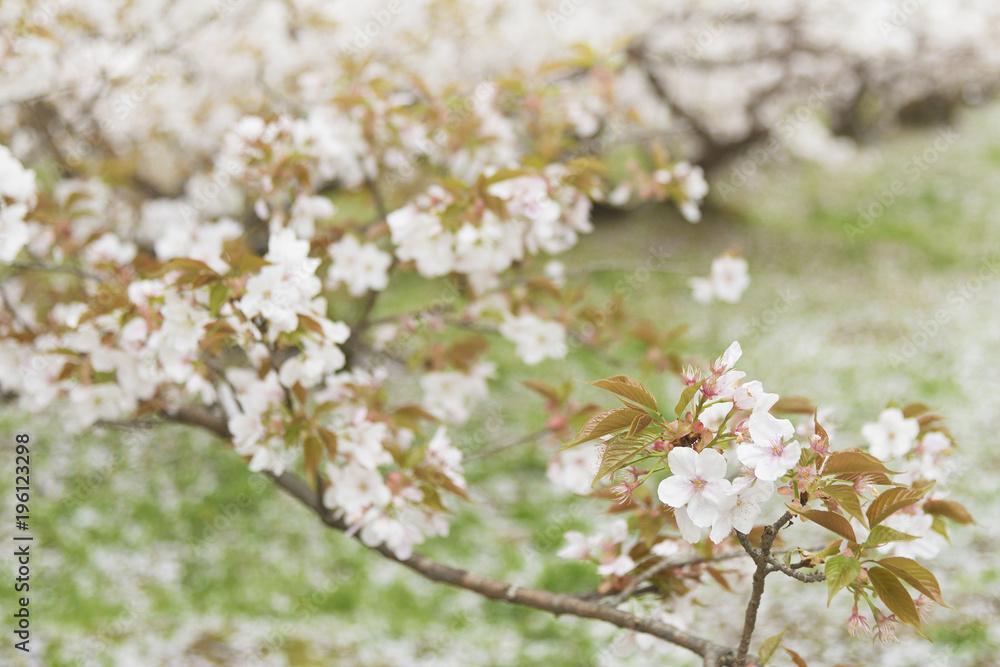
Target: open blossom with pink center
{"points": [[770, 453], [892, 435], [698, 483]]}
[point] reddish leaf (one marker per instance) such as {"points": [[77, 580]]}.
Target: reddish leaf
{"points": [[628, 388], [892, 501], [832, 521], [639, 423], [851, 461], [950, 510]]}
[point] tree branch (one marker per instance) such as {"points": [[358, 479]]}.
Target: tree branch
{"points": [[764, 560], [554, 603]]}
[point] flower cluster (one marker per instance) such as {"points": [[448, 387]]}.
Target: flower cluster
{"points": [[726, 454], [17, 198], [504, 221]]}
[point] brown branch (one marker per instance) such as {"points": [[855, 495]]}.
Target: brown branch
{"points": [[763, 558], [554, 603]]}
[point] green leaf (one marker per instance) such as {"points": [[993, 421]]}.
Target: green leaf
{"points": [[832, 521], [686, 397], [188, 265], [915, 575], [892, 501], [895, 596], [618, 452], [250, 263], [852, 461], [769, 646], [883, 535], [831, 549], [840, 571], [604, 423], [628, 388], [847, 497], [216, 297]]}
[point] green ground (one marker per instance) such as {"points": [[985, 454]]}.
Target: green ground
{"points": [[166, 550]]}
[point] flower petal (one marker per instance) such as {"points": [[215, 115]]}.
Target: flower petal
{"points": [[683, 461], [675, 491]]}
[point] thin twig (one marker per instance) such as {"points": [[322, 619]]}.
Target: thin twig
{"points": [[514, 442]]}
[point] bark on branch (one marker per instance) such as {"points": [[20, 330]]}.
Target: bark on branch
{"points": [[493, 589]]}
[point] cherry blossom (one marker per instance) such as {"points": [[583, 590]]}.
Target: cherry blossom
{"points": [[751, 396], [892, 435], [741, 515], [361, 267], [573, 469], [451, 395], [354, 489], [578, 546], [771, 452], [536, 339], [698, 484], [620, 566], [919, 524], [726, 282]]}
